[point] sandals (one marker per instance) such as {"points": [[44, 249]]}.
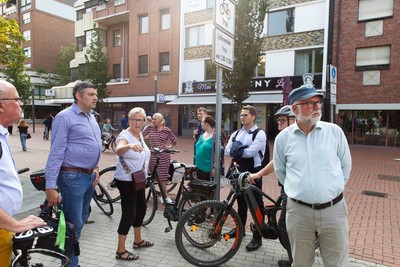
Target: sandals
{"points": [[130, 256], [143, 244]]}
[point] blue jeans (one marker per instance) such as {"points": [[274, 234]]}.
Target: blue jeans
{"points": [[22, 137], [76, 190]]}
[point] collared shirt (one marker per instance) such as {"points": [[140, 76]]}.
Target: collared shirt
{"points": [[75, 142], [135, 161], [10, 185], [253, 146], [313, 168]]}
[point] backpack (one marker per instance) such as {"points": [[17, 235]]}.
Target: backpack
{"points": [[265, 157]]}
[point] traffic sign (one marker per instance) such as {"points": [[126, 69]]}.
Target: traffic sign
{"points": [[224, 16], [160, 98], [223, 49], [332, 74]]}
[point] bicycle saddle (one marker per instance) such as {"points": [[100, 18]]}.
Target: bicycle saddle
{"points": [[32, 238]]}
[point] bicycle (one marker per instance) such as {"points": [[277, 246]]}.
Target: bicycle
{"points": [[202, 235], [187, 196], [107, 176], [109, 142], [100, 194]]}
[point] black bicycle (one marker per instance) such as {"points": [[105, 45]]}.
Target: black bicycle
{"points": [[196, 191], [202, 235], [110, 142]]}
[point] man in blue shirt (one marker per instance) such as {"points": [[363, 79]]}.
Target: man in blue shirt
{"points": [[74, 154], [10, 185], [312, 160]]}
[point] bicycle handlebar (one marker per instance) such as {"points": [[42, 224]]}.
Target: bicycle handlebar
{"points": [[157, 150], [23, 170]]}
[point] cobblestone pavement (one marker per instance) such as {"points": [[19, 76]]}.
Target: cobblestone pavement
{"points": [[373, 220]]}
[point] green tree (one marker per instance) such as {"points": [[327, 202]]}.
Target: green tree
{"points": [[66, 55], [249, 25], [95, 69]]}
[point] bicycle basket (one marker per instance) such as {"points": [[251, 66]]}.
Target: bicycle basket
{"points": [[38, 179], [202, 185]]}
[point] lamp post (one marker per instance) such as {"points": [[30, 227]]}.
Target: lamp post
{"points": [[33, 109], [155, 92]]}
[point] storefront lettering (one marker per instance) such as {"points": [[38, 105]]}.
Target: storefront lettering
{"points": [[204, 87], [261, 83]]}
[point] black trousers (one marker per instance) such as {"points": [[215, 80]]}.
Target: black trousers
{"points": [[133, 206], [242, 206], [283, 234]]}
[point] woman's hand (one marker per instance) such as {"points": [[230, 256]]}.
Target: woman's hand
{"points": [[136, 147], [252, 178]]}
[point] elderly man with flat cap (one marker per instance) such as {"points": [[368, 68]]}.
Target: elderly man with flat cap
{"points": [[312, 160]]}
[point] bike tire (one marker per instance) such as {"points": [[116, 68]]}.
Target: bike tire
{"points": [[152, 204], [113, 145], [106, 179], [205, 244], [103, 199], [103, 146], [190, 199]]}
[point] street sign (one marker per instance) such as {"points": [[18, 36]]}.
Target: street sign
{"points": [[332, 74], [223, 49], [333, 99], [160, 98], [224, 16], [333, 88]]}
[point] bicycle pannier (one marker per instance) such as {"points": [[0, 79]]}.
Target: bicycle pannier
{"points": [[138, 180]]}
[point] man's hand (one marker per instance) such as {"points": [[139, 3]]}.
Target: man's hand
{"points": [[97, 177], [53, 197]]}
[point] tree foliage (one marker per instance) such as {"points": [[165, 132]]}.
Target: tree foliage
{"points": [[249, 25], [95, 69], [66, 55]]}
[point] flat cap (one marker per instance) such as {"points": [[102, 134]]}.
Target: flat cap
{"points": [[302, 93]]}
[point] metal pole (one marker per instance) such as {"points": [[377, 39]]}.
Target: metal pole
{"points": [[155, 92], [33, 110], [218, 123]]}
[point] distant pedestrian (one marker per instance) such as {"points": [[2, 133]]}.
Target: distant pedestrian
{"points": [[124, 122], [23, 133], [47, 126], [198, 130]]}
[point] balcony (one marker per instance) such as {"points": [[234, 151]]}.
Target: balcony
{"points": [[112, 12]]}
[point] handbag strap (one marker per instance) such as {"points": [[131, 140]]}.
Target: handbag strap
{"points": [[123, 163]]}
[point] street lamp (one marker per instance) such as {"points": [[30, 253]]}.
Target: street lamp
{"points": [[155, 92]]}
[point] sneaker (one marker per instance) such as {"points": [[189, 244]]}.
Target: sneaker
{"points": [[168, 200], [284, 263]]}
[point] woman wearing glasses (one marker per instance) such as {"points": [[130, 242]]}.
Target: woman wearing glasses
{"points": [[134, 156]]}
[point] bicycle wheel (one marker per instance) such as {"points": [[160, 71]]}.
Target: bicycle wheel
{"points": [[103, 146], [151, 201], [203, 240], [103, 200], [113, 145], [106, 179], [190, 199]]}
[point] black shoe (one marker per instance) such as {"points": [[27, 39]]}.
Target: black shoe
{"points": [[284, 263], [254, 245]]}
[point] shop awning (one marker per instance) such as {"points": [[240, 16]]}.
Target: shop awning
{"points": [[198, 100], [264, 99]]}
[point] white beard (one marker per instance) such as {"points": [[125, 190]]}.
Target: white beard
{"points": [[309, 120]]}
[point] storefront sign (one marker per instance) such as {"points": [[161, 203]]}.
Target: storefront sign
{"points": [[258, 85]]}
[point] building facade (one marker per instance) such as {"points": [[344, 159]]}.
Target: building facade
{"points": [[365, 47]]}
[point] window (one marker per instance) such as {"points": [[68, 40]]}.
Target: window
{"points": [[373, 9], [164, 62], [26, 18], [260, 69], [210, 3], [308, 61], [195, 36], [91, 33], [143, 24], [210, 70], [80, 43], [373, 58], [281, 22], [165, 19], [27, 52], [143, 64], [116, 71], [11, 3], [27, 35], [117, 38], [79, 14]]}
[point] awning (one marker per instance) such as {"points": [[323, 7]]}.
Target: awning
{"points": [[264, 98], [198, 100]]}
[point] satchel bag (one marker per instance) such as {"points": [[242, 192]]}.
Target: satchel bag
{"points": [[138, 180], [28, 136]]}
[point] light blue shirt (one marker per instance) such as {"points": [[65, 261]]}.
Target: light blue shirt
{"points": [[135, 161], [10, 185], [75, 142], [253, 146], [313, 168]]}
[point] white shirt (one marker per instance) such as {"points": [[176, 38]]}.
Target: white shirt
{"points": [[10, 185], [313, 168], [134, 160]]}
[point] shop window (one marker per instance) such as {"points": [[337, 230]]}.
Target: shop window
{"points": [[374, 9], [373, 58], [143, 64], [143, 24], [308, 61], [281, 22]]}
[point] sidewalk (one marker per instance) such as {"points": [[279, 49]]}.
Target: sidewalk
{"points": [[373, 220]]}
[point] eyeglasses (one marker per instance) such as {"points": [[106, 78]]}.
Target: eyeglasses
{"points": [[311, 104], [281, 120], [137, 120], [16, 99]]}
